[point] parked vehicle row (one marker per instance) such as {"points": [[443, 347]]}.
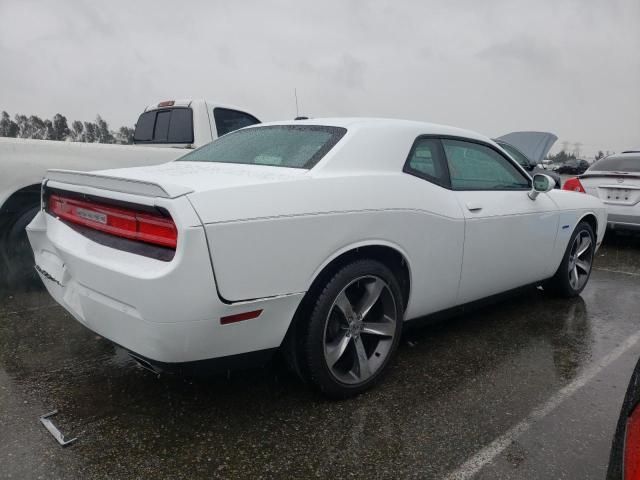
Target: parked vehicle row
{"points": [[316, 237], [162, 134], [573, 167]]}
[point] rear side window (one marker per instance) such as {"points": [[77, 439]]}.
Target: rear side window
{"points": [[426, 160], [174, 125], [228, 120], [617, 163], [473, 166], [293, 146]]}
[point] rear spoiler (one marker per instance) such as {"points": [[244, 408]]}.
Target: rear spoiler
{"points": [[116, 184], [609, 175]]}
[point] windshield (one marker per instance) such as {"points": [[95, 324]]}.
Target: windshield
{"points": [[293, 146], [516, 154], [617, 163]]}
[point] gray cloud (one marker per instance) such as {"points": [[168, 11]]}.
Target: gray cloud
{"points": [[525, 52], [568, 66]]}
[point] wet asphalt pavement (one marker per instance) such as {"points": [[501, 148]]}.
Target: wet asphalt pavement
{"points": [[527, 388]]}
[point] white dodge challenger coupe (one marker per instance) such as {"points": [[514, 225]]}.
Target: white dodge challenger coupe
{"points": [[319, 237]]}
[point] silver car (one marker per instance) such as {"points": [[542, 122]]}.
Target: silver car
{"points": [[616, 181]]}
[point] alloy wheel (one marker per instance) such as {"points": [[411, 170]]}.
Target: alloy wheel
{"points": [[360, 330], [580, 260]]}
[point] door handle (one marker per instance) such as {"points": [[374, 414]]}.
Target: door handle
{"points": [[474, 207]]}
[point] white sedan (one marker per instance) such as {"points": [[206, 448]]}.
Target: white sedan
{"points": [[319, 237]]}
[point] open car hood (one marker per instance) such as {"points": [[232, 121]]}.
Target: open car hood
{"points": [[535, 145]]}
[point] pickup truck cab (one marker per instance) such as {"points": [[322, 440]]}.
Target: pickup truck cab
{"points": [[188, 123], [164, 132]]}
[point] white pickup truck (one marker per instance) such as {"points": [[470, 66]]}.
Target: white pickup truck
{"points": [[162, 134]]}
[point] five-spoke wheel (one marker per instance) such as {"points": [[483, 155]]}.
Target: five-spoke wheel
{"points": [[360, 329], [575, 269], [352, 328], [580, 260]]}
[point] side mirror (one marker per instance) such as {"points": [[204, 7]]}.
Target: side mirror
{"points": [[541, 184]]}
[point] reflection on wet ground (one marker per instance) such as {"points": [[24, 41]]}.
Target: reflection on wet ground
{"points": [[454, 387]]}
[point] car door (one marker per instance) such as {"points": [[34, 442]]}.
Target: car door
{"points": [[508, 236], [435, 237]]}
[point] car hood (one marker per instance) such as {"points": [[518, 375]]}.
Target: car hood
{"points": [[535, 145]]}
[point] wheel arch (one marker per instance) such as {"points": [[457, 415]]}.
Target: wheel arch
{"points": [[592, 220], [388, 253]]}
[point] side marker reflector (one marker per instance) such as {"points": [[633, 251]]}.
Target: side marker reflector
{"points": [[239, 317]]}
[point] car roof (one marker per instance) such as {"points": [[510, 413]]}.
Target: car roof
{"points": [[183, 103], [364, 123], [374, 144]]}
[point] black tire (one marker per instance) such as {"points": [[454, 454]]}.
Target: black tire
{"points": [[561, 284], [366, 344], [17, 255]]}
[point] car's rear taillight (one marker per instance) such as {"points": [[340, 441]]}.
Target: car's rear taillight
{"points": [[574, 185], [142, 226], [631, 463]]}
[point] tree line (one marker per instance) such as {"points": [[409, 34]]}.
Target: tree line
{"points": [[58, 128], [562, 156]]}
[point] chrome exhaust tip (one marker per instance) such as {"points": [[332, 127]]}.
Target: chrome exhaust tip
{"points": [[145, 364]]}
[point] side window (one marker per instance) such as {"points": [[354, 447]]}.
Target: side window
{"points": [[229, 120], [477, 167], [426, 161]]}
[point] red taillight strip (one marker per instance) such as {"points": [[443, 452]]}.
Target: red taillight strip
{"points": [[121, 222], [239, 317], [631, 461], [574, 185]]}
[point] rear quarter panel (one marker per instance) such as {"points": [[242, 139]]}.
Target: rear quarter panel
{"points": [[283, 234]]}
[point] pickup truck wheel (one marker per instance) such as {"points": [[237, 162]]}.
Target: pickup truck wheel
{"points": [[574, 271], [354, 329], [16, 250]]}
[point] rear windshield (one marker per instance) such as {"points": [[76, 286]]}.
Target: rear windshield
{"points": [[617, 163], [293, 146], [172, 125]]}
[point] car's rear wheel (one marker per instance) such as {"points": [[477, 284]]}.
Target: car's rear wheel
{"points": [[353, 330], [574, 271]]}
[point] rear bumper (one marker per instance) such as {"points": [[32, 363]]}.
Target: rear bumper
{"points": [[623, 217], [166, 312]]}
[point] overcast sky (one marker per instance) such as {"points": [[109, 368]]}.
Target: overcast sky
{"points": [[494, 66]]}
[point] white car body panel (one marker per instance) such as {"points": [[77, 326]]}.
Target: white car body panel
{"points": [[505, 215], [139, 303], [254, 236]]}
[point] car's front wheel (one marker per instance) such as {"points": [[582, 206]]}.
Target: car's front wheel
{"points": [[574, 271], [353, 330]]}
